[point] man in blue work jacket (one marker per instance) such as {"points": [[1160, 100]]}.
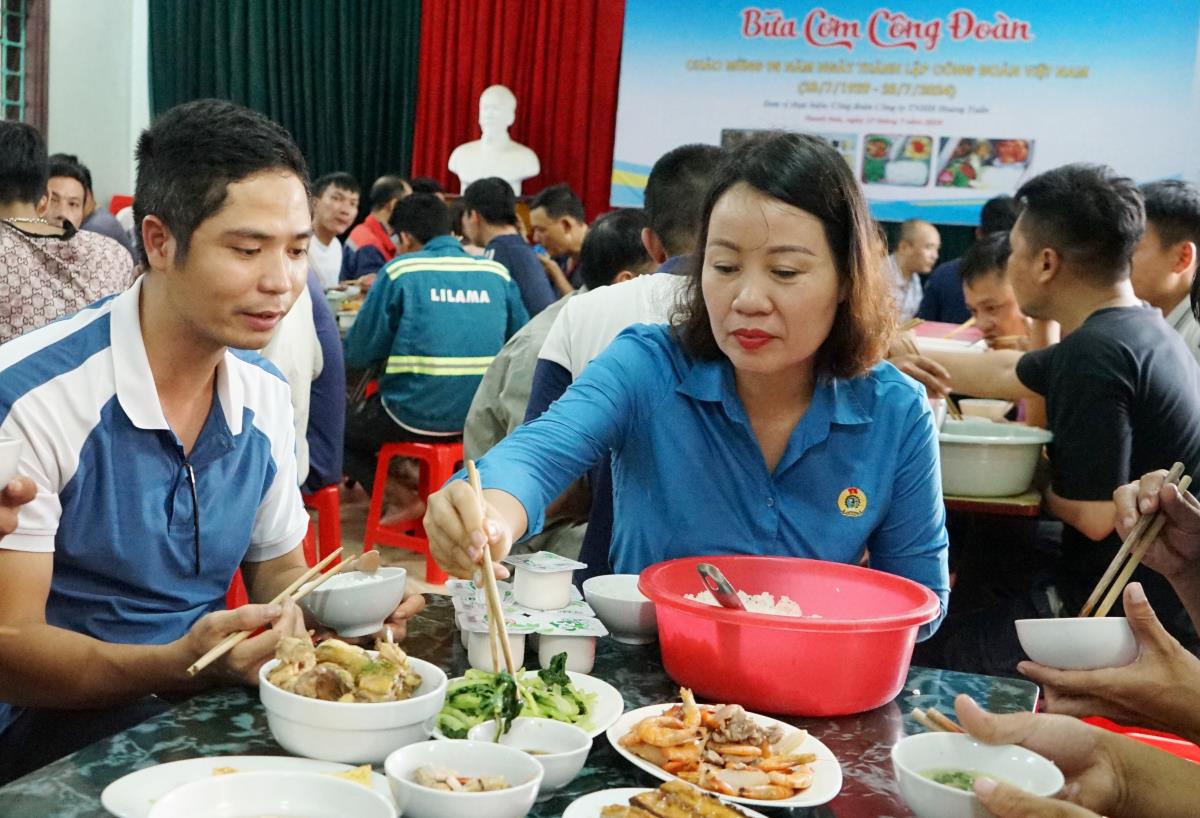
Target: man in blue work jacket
{"points": [[434, 319]]}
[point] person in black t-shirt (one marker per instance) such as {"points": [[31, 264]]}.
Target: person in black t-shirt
{"points": [[1122, 391]]}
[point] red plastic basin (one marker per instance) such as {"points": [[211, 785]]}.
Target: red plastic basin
{"points": [[854, 658]]}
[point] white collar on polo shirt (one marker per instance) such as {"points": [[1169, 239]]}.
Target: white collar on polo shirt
{"points": [[135, 381]]}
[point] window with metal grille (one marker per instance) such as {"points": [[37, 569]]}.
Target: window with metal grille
{"points": [[12, 59]]}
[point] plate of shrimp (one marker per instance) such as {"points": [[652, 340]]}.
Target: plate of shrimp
{"points": [[745, 758]]}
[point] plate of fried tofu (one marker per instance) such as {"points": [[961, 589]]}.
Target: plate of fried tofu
{"points": [[674, 799]]}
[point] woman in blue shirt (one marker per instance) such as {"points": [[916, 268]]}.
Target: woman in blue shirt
{"points": [[762, 421]]}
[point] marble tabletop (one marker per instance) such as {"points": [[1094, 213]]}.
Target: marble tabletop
{"points": [[231, 721]]}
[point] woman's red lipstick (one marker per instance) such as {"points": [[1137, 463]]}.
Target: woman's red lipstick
{"points": [[752, 338]]}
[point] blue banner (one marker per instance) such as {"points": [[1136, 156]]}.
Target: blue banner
{"points": [[936, 106]]}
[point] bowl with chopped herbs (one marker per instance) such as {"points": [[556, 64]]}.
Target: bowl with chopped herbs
{"points": [[937, 773]]}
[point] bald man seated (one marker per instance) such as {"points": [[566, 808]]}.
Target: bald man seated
{"points": [[916, 253]]}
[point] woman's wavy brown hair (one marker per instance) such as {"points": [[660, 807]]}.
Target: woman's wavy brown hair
{"points": [[807, 173]]}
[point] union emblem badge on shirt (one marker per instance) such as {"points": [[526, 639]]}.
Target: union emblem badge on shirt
{"points": [[852, 502]]}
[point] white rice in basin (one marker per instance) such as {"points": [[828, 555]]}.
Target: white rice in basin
{"points": [[757, 603]]}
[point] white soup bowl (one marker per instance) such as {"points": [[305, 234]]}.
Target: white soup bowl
{"points": [[915, 756]]}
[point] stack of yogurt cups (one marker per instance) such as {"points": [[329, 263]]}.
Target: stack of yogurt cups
{"points": [[540, 602]]}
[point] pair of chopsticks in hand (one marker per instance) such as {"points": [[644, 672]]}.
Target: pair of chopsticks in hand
{"points": [[1134, 548], [933, 721], [295, 591], [497, 631], [911, 348]]}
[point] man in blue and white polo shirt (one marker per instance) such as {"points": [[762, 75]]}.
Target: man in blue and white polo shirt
{"points": [[163, 454]]}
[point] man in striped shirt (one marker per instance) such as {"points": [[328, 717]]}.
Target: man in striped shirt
{"points": [[434, 319]]}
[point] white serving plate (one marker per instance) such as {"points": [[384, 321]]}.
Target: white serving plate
{"points": [[827, 773], [133, 795], [589, 806], [608, 708]]}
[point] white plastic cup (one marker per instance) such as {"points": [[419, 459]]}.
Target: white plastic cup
{"points": [[542, 590], [479, 655], [581, 651]]}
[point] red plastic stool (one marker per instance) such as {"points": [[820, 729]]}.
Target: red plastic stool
{"points": [[328, 506], [236, 596], [438, 463]]}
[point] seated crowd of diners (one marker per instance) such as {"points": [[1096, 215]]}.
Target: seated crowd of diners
{"points": [[710, 373]]}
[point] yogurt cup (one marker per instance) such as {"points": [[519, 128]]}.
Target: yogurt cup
{"points": [[479, 654], [474, 626], [543, 580], [581, 650]]}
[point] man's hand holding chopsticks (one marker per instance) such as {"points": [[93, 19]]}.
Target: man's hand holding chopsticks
{"points": [[926, 371], [1175, 553], [242, 662], [1160, 689]]}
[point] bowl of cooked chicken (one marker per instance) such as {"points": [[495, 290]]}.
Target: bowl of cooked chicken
{"points": [[335, 701]]}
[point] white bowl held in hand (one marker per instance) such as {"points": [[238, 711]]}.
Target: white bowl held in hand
{"points": [[466, 758], [10, 459], [352, 732], [985, 408], [625, 611], [559, 747], [356, 603], [913, 757], [305, 795], [1078, 643]]}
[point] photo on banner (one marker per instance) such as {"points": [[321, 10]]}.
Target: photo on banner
{"points": [[935, 107]]}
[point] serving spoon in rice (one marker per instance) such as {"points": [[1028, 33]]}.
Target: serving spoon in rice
{"points": [[721, 588]]}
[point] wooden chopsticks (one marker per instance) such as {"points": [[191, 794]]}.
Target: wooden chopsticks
{"points": [[227, 644], [970, 322], [1134, 548], [497, 631], [933, 720]]}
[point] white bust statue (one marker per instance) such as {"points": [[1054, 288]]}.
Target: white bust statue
{"points": [[496, 154]]}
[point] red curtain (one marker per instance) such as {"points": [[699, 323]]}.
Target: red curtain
{"points": [[561, 59]]}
